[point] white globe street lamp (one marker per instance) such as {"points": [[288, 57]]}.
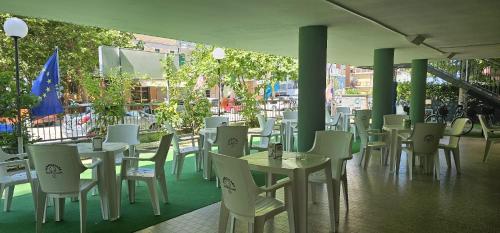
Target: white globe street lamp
{"points": [[219, 54], [17, 28]]}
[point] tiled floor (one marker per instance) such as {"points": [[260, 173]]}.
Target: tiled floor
{"points": [[384, 202]]}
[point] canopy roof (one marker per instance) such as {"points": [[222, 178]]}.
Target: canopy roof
{"points": [[468, 28]]}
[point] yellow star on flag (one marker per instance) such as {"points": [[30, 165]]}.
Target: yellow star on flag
{"points": [[48, 89], [44, 95], [49, 81]]}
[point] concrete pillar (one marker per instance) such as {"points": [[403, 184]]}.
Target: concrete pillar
{"points": [[417, 90], [312, 83], [383, 75]]}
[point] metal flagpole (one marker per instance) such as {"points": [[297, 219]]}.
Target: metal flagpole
{"points": [[20, 142]]}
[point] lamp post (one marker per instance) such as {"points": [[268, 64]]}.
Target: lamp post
{"points": [[219, 54], [17, 28]]}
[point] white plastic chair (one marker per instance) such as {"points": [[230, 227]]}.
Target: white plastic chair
{"points": [[231, 140], [265, 136], [215, 121], [180, 153], [128, 134], [262, 121], [395, 119], [362, 122], [344, 117], [242, 197], [491, 135], [9, 179], [424, 143], [333, 122], [290, 115], [337, 145], [149, 175], [58, 168], [453, 143]]}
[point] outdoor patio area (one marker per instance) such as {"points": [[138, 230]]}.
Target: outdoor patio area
{"points": [[383, 202]]}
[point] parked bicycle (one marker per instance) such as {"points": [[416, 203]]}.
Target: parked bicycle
{"points": [[441, 116]]}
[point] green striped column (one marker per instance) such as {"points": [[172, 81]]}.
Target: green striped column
{"points": [[312, 83], [383, 75], [417, 90]]}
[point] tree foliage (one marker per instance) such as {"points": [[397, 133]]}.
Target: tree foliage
{"points": [[108, 96], [78, 46]]}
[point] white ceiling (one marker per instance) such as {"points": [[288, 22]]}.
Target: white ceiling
{"points": [[469, 28]]}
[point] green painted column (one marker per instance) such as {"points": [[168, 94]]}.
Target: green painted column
{"points": [[417, 90], [383, 75], [312, 83]]}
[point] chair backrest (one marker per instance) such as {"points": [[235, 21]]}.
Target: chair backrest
{"points": [[232, 140], [267, 131], [344, 110], [128, 134], [457, 129], [426, 136], [58, 168], [262, 121], [215, 121], [336, 117], [395, 119], [337, 145], [238, 187], [363, 116], [162, 152], [484, 126], [175, 136], [362, 130], [290, 115]]}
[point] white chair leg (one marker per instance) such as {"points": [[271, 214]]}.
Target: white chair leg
{"points": [[83, 212], [8, 197], [409, 155], [258, 226], [131, 191], [250, 227], [487, 150], [447, 156], [362, 155], [289, 206], [41, 198], [154, 197], [437, 166], [180, 165], [345, 189], [456, 158], [174, 163], [367, 156], [2, 187], [163, 186], [232, 224]]}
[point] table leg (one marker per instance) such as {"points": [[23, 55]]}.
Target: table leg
{"points": [[394, 138], [207, 166], [59, 209], [110, 186], [300, 187], [271, 179], [333, 192], [223, 217]]}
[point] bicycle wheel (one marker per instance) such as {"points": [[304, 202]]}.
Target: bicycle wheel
{"points": [[433, 118], [469, 125]]}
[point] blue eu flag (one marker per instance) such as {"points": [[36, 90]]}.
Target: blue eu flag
{"points": [[45, 87]]}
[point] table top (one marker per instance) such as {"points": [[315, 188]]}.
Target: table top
{"points": [[288, 162], [86, 148]]}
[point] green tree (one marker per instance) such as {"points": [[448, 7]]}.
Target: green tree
{"points": [[108, 96], [78, 46]]}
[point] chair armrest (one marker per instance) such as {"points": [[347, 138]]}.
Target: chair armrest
{"points": [[280, 184], [145, 151], [376, 134], [14, 162], [373, 130], [93, 164], [136, 159]]}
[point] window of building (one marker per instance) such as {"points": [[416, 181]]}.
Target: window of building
{"points": [[141, 95], [157, 50]]}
